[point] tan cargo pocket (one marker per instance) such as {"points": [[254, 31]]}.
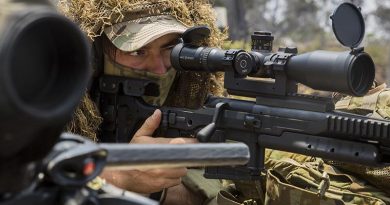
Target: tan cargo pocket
{"points": [[289, 182], [280, 192]]}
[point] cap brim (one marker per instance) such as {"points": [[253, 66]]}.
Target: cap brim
{"points": [[133, 35]]}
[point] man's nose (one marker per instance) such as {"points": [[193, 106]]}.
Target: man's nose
{"points": [[156, 64]]}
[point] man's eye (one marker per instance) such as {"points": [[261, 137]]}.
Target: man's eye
{"points": [[170, 47], [137, 53]]}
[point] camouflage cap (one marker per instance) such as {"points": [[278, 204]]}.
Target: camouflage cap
{"points": [[134, 34]]}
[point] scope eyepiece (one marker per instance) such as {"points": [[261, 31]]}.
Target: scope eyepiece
{"points": [[189, 57]]}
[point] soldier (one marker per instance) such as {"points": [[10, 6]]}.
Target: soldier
{"points": [[116, 25], [133, 38]]}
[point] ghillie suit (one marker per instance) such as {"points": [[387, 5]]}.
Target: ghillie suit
{"points": [[86, 119]]}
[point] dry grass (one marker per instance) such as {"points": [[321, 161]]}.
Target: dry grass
{"points": [[86, 119], [95, 15]]}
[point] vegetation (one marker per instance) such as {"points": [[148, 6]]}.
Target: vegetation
{"points": [[306, 25]]}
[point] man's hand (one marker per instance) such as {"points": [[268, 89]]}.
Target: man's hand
{"points": [[153, 180], [143, 135]]}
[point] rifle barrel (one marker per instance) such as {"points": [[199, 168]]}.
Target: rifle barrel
{"points": [[127, 156]]}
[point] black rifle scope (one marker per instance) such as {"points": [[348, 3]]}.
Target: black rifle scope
{"points": [[44, 60], [350, 72]]}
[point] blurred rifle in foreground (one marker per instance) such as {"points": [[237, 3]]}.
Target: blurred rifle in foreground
{"points": [[44, 61], [280, 118]]}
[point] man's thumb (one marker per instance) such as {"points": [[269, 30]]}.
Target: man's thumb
{"points": [[150, 124]]}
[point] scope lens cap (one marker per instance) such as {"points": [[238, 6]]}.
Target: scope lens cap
{"points": [[348, 25], [195, 34]]}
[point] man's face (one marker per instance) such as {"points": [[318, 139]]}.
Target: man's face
{"points": [[154, 57]]}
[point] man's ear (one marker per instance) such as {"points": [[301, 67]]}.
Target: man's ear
{"points": [[97, 56], [97, 63]]}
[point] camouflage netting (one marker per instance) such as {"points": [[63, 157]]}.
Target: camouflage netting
{"points": [[378, 176], [86, 119], [95, 15], [190, 88]]}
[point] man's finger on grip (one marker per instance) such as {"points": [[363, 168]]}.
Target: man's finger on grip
{"points": [[182, 140], [171, 173]]}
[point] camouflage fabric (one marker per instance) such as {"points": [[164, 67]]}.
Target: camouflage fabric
{"points": [[207, 188], [288, 170], [134, 34], [279, 192], [299, 179], [375, 104]]}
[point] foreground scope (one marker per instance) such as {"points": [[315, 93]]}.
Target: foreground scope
{"points": [[350, 72], [44, 61]]}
